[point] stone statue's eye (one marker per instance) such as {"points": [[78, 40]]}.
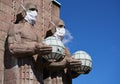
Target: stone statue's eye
{"points": [[61, 26], [33, 9]]}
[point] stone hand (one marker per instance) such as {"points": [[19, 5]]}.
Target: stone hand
{"points": [[53, 66], [43, 49], [73, 62]]}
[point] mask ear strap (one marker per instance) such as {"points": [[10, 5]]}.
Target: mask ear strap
{"points": [[23, 7], [21, 4], [53, 24]]}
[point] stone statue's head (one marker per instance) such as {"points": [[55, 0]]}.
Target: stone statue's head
{"points": [[57, 28], [60, 24], [25, 9], [55, 24], [31, 6], [60, 29]]}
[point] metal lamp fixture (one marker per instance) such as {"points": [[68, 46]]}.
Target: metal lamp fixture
{"points": [[86, 61], [58, 49]]}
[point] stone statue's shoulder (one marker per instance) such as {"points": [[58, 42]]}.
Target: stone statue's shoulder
{"points": [[18, 26], [15, 29]]}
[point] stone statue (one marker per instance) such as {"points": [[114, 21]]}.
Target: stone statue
{"points": [[25, 53], [59, 72], [24, 50]]}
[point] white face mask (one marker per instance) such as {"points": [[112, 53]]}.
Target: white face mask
{"points": [[31, 16], [60, 33]]}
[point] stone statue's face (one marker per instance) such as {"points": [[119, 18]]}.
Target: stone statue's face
{"points": [[60, 32], [61, 26], [33, 9]]}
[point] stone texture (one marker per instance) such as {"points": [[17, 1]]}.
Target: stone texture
{"points": [[47, 11]]}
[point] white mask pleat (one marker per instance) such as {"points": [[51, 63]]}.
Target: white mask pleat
{"points": [[31, 16], [60, 33]]}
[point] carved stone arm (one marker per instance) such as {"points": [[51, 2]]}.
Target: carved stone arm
{"points": [[22, 48], [29, 48], [61, 64]]}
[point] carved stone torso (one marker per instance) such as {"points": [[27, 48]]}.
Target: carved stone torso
{"points": [[28, 32], [22, 70]]}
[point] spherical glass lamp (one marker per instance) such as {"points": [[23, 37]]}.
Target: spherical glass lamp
{"points": [[86, 61], [58, 49]]}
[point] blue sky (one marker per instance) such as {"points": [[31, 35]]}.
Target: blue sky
{"points": [[94, 26]]}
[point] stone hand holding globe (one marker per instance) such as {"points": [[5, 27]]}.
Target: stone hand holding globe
{"points": [[42, 48]]}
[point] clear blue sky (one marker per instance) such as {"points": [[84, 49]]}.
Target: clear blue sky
{"points": [[95, 27]]}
